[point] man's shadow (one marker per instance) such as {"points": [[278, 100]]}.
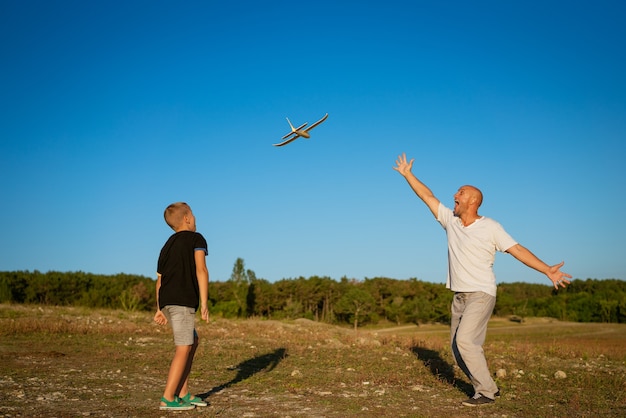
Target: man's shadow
{"points": [[245, 369], [441, 369]]}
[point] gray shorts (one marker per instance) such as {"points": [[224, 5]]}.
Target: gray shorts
{"points": [[182, 319]]}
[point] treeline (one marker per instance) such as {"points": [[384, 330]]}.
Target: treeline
{"points": [[126, 291], [347, 301]]}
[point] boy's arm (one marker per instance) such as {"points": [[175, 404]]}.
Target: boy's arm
{"points": [[554, 273], [159, 317], [202, 274], [421, 190]]}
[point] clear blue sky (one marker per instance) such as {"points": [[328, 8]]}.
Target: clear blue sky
{"points": [[111, 110]]}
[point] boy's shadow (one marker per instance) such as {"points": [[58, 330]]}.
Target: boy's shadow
{"points": [[441, 369], [245, 369]]}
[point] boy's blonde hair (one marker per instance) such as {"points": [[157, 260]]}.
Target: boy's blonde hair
{"points": [[175, 213]]}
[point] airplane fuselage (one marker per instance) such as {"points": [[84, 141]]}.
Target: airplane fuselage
{"points": [[300, 131]]}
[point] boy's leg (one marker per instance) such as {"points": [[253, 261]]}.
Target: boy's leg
{"points": [[183, 388], [182, 320], [177, 371], [469, 339]]}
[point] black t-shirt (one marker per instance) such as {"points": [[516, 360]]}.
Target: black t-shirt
{"points": [[177, 267]]}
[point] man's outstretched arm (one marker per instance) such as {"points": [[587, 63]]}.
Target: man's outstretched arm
{"points": [[421, 190], [554, 273]]}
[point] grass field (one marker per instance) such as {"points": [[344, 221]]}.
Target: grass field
{"points": [[73, 362]]}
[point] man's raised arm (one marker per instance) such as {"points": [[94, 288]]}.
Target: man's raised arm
{"points": [[421, 190]]}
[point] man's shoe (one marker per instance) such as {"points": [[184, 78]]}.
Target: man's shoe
{"points": [[478, 401]]}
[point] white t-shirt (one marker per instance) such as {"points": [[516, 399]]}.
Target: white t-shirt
{"points": [[472, 251]]}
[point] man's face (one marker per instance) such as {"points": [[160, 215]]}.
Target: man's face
{"points": [[462, 199]]}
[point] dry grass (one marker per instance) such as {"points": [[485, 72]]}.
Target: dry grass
{"points": [[68, 362]]}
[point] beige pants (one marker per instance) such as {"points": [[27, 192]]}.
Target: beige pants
{"points": [[470, 314]]}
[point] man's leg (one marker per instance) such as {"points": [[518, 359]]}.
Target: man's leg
{"points": [[469, 338], [458, 306]]}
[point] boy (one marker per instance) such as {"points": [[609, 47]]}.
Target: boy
{"points": [[182, 281]]}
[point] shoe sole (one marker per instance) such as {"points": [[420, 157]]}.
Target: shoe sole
{"points": [[173, 408], [177, 408], [466, 403]]}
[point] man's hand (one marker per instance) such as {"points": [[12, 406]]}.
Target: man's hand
{"points": [[159, 318], [557, 277], [421, 190], [402, 166]]}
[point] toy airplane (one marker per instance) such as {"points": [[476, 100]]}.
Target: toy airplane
{"points": [[299, 131]]}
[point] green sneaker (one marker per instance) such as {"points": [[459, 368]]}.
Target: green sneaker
{"points": [[193, 400], [176, 405]]}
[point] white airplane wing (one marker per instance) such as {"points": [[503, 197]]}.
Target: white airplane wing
{"points": [[317, 123], [293, 138]]}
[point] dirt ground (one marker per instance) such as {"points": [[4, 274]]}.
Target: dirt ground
{"points": [[64, 362]]}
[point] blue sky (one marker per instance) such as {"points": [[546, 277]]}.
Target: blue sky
{"points": [[112, 110]]}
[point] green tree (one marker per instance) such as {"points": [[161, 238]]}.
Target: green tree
{"points": [[394, 310], [240, 283], [263, 292], [356, 304], [135, 298]]}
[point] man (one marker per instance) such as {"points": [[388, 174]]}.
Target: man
{"points": [[472, 243]]}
